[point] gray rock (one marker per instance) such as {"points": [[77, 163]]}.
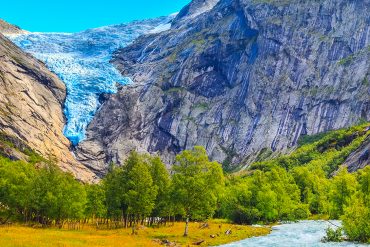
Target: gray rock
{"points": [[237, 78], [359, 158]]}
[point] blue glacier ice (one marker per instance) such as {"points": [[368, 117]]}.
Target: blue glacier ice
{"points": [[81, 60], [306, 233]]}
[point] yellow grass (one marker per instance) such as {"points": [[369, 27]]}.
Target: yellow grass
{"points": [[88, 236]]}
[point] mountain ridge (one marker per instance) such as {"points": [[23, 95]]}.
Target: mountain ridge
{"points": [[8, 29]]}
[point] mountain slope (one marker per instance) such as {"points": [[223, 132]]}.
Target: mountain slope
{"points": [[31, 102], [6, 28], [242, 77], [328, 150]]}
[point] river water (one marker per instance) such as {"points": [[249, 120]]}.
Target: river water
{"points": [[304, 233]]}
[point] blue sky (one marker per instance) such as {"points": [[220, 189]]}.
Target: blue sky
{"points": [[77, 15]]}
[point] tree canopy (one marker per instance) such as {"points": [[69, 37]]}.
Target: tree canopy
{"points": [[196, 184]]}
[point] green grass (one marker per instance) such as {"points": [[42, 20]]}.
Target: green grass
{"points": [[309, 139], [201, 106], [175, 90], [346, 60], [365, 82]]}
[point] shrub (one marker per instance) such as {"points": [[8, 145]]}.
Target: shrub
{"points": [[356, 221], [333, 235]]}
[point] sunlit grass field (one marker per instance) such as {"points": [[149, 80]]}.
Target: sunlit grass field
{"points": [[17, 235]]}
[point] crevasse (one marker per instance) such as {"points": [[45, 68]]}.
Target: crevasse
{"points": [[81, 60]]}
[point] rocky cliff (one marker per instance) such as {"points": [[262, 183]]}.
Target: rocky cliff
{"points": [[31, 100], [360, 158], [238, 77]]}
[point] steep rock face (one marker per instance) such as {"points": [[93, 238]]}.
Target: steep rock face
{"points": [[31, 99], [360, 158], [241, 77], [193, 9]]}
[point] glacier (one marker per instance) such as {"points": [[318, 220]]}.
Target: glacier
{"points": [[81, 60]]}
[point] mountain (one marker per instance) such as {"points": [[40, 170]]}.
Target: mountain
{"points": [[81, 60], [31, 115], [238, 77]]}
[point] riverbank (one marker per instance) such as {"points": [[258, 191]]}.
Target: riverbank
{"points": [[212, 235]]}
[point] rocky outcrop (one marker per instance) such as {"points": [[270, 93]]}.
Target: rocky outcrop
{"points": [[31, 100], [6, 28], [193, 9], [238, 78], [359, 158]]}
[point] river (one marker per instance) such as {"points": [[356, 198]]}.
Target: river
{"points": [[303, 233]]}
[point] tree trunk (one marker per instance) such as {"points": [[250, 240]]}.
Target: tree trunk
{"points": [[133, 227], [6, 220], [186, 227]]}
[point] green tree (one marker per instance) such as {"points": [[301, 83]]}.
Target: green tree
{"points": [[57, 196], [356, 220], [130, 192], [114, 191], [95, 205], [140, 192], [161, 179], [267, 204], [313, 186], [364, 181], [264, 196], [287, 194], [196, 183], [236, 204], [16, 179], [343, 186]]}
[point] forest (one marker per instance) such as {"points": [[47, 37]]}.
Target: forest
{"points": [[308, 182]]}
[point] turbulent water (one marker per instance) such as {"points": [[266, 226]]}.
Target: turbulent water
{"points": [[81, 60], [305, 233]]}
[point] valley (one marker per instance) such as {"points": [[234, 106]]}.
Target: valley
{"points": [[231, 122]]}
